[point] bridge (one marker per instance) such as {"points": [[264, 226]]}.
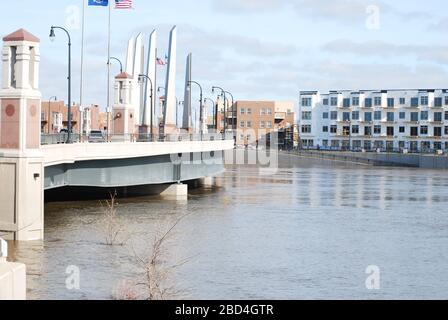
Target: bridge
{"points": [[29, 164]]}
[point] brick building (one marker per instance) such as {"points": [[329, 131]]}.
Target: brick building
{"points": [[54, 117], [254, 120]]}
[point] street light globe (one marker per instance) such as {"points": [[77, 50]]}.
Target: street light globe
{"points": [[52, 35]]}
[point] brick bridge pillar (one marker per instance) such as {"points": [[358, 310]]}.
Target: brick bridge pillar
{"points": [[21, 162]]}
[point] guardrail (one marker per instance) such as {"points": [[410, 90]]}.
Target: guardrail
{"points": [[62, 138]]}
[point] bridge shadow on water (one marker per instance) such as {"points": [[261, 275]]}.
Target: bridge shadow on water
{"points": [[69, 194]]}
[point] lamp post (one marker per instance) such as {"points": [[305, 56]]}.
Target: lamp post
{"points": [[119, 61], [213, 107], [201, 105], [141, 78], [233, 110], [49, 110], [69, 78], [223, 93]]}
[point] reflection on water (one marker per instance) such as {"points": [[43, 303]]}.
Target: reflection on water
{"points": [[309, 231]]}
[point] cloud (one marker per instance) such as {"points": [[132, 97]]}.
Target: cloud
{"points": [[429, 53], [246, 6]]}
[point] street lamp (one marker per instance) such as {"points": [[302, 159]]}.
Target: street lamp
{"points": [[49, 110], [141, 78], [201, 113], [223, 94], [213, 107], [69, 78], [233, 110], [119, 61]]}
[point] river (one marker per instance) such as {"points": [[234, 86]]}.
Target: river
{"points": [[309, 230]]}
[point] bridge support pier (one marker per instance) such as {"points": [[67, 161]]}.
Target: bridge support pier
{"points": [[177, 191]]}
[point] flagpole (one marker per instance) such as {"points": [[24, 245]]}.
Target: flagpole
{"points": [[81, 86], [108, 71]]}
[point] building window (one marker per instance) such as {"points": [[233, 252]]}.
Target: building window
{"points": [[355, 101], [242, 124], [446, 100], [402, 130], [269, 124], [438, 116], [424, 115], [325, 143], [414, 116], [355, 129], [346, 131], [325, 102], [390, 117], [306, 115], [367, 131], [262, 112], [438, 102], [334, 101], [269, 111], [438, 145], [243, 111], [378, 115], [402, 115], [402, 101], [306, 129], [346, 103], [377, 129], [334, 115], [355, 115], [414, 102], [249, 124], [249, 111], [377, 101], [437, 131], [446, 115], [346, 116], [334, 129], [368, 102], [325, 115], [446, 130], [306, 102], [325, 129], [414, 131], [424, 130], [368, 116], [390, 131], [263, 125], [424, 100], [390, 102]]}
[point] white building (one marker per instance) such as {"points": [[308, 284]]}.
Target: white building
{"points": [[415, 120]]}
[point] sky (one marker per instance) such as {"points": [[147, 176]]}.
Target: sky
{"points": [[256, 49]]}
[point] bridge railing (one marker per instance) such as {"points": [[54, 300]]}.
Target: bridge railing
{"points": [[62, 138]]}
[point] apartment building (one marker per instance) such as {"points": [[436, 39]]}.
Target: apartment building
{"points": [[415, 120], [256, 119]]}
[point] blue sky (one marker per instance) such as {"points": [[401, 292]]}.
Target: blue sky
{"points": [[257, 49]]}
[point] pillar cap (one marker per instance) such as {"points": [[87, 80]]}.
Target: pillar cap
{"points": [[21, 35], [123, 75]]}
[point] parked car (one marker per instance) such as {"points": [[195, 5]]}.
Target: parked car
{"points": [[96, 136]]}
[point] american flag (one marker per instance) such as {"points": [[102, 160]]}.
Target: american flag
{"points": [[123, 4]]}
